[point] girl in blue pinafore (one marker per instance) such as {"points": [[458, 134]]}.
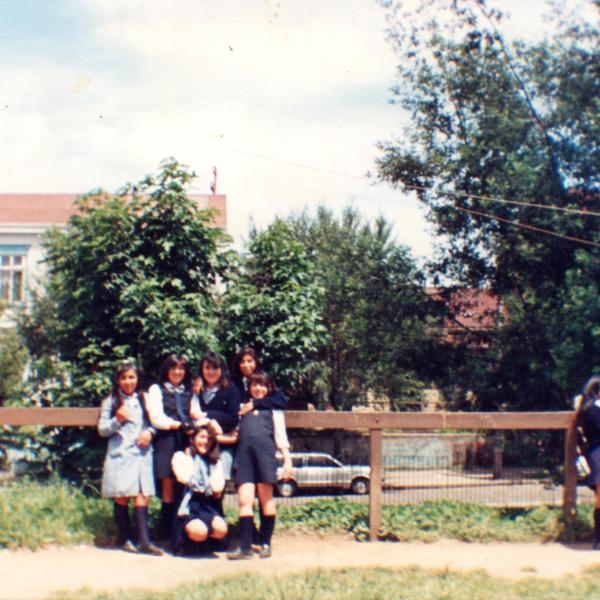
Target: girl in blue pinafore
{"points": [[128, 467]]}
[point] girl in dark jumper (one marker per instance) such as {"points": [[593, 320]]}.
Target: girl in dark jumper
{"points": [[168, 404], [262, 434], [128, 469], [588, 418]]}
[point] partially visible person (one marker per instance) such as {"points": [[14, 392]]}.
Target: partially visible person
{"points": [[128, 466], [245, 363], [588, 418], [260, 438], [200, 470], [168, 403]]}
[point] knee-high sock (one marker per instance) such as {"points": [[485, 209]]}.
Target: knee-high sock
{"points": [[140, 515], [267, 526], [246, 527], [121, 516], [167, 517], [597, 526]]}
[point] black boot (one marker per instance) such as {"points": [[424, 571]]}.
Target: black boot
{"points": [[245, 549], [121, 516], [145, 546], [267, 526], [167, 521]]}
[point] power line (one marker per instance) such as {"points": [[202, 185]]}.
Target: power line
{"points": [[529, 227], [578, 211]]}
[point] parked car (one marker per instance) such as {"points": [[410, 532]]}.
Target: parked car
{"points": [[316, 470]]}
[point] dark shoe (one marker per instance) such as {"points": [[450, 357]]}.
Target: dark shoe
{"points": [[150, 549], [596, 546], [240, 555], [128, 547], [265, 551]]}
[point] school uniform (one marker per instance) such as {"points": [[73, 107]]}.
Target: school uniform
{"points": [[202, 481], [128, 469], [167, 404], [262, 433], [589, 420], [222, 405]]}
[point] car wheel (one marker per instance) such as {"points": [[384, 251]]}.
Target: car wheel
{"points": [[360, 486], [287, 488]]}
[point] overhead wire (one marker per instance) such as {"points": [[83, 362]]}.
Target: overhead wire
{"points": [[528, 227]]}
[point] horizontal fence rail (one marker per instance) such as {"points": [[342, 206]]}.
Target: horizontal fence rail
{"points": [[88, 417], [374, 423]]}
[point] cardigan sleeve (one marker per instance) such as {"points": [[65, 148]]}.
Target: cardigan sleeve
{"points": [[107, 425], [281, 438], [154, 405], [276, 401]]}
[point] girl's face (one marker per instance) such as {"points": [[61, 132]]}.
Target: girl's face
{"points": [[202, 442], [127, 381], [258, 391], [176, 374], [210, 373], [247, 365]]}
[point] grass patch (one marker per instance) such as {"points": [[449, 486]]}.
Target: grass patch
{"points": [[33, 514], [371, 584], [429, 521]]}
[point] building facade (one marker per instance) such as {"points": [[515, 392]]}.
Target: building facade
{"points": [[24, 218]]}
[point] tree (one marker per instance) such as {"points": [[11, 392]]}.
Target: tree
{"points": [[273, 305], [132, 276], [503, 150], [374, 308]]}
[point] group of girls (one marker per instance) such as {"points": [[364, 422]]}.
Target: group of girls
{"points": [[191, 435]]}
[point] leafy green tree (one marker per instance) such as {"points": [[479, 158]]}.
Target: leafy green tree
{"points": [[132, 276], [503, 150], [374, 308], [273, 304]]}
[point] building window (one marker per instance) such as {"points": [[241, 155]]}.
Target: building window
{"points": [[12, 275]]}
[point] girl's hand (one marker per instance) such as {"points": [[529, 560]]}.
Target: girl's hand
{"points": [[144, 439], [246, 408], [122, 414], [175, 425], [197, 385], [287, 468]]}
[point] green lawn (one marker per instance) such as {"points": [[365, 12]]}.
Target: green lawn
{"points": [[370, 584]]}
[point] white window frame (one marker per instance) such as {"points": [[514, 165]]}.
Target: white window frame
{"points": [[15, 257]]}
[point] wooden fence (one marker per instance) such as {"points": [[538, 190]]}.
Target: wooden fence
{"points": [[374, 423]]}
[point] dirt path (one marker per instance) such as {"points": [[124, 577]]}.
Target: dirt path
{"points": [[33, 575]]}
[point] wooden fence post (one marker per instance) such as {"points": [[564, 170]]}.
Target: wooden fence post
{"points": [[570, 483], [375, 460]]}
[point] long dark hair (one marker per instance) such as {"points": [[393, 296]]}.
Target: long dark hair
{"points": [[213, 453], [171, 361], [246, 350], [214, 359], [117, 394]]}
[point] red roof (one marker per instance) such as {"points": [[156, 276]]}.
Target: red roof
{"points": [[469, 311], [55, 209]]}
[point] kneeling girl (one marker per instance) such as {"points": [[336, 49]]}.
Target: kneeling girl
{"points": [[200, 470]]}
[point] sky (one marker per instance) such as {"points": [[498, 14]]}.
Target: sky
{"points": [[287, 99]]}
